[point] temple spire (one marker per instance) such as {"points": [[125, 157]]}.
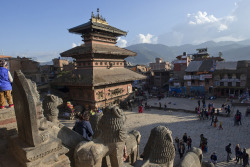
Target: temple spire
{"points": [[98, 18]]}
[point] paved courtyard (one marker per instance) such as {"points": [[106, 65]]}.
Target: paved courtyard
{"points": [[181, 122]]}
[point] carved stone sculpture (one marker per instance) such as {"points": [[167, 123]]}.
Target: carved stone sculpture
{"points": [[193, 158], [132, 143], [109, 145], [159, 150], [94, 121], [33, 147], [50, 104]]}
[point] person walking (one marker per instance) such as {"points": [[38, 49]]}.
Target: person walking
{"points": [[5, 85], [245, 157], [177, 142], [229, 152], [181, 149], [215, 121], [189, 142], [212, 120], [184, 138], [220, 126]]}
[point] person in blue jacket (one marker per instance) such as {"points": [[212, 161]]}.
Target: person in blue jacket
{"points": [[5, 85], [83, 126]]}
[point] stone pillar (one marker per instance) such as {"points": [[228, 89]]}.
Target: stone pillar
{"points": [[34, 146]]}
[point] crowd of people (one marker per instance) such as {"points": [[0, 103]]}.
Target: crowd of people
{"points": [[181, 144]]}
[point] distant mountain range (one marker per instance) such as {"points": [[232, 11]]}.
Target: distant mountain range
{"points": [[231, 51]]}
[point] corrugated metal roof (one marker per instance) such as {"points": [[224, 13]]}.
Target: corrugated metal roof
{"points": [[206, 65], [228, 65], [193, 66]]}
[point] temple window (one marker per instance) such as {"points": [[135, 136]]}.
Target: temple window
{"points": [[120, 63], [100, 63], [96, 63]]}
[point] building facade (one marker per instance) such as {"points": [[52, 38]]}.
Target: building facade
{"points": [[160, 65]]}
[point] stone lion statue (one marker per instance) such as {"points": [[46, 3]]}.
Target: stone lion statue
{"points": [[159, 148], [109, 143], [50, 104], [193, 158], [94, 121]]}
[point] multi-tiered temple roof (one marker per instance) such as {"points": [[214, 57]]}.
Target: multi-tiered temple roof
{"points": [[99, 61]]}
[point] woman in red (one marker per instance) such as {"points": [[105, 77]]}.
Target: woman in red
{"points": [[140, 109]]}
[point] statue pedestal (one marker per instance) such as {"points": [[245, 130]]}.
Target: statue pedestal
{"points": [[48, 154]]}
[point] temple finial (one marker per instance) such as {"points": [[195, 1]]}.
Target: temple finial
{"points": [[98, 15]]}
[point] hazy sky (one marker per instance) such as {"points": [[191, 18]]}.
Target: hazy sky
{"points": [[39, 29]]}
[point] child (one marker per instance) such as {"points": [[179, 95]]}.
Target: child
{"points": [[215, 121], [220, 126]]}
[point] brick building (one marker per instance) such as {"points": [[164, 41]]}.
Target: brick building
{"points": [[160, 65], [231, 79]]}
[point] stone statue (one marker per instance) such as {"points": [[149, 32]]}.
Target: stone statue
{"points": [[159, 148], [109, 144], [50, 104], [193, 158], [132, 143], [94, 121], [34, 146]]}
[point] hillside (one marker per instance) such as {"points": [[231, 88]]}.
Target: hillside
{"points": [[232, 51]]}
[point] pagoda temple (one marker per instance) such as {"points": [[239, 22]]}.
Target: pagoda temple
{"points": [[100, 78]]}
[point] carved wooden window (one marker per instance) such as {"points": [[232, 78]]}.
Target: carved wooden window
{"points": [[100, 63], [105, 63], [117, 63], [96, 63]]}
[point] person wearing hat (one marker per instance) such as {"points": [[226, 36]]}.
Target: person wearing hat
{"points": [[213, 158], [5, 85]]}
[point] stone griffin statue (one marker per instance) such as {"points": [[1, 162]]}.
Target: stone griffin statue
{"points": [[94, 121], [109, 143], [193, 158], [159, 150], [50, 104]]}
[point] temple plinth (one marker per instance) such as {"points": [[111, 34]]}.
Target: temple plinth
{"points": [[100, 78]]}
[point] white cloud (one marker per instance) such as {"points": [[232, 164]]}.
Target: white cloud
{"points": [[229, 38], [121, 42], [201, 18], [149, 38], [222, 27], [203, 26], [74, 45]]}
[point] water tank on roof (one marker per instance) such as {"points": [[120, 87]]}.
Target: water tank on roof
{"points": [[242, 64]]}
